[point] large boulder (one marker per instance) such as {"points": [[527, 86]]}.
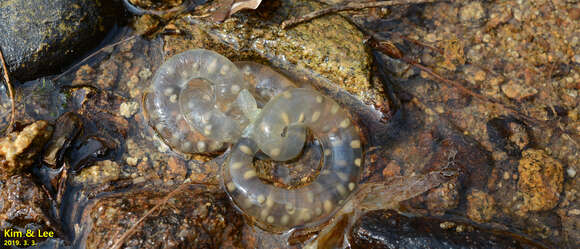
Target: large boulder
{"points": [[40, 37]]}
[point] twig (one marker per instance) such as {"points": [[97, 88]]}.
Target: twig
{"points": [[10, 92], [420, 43], [93, 55], [133, 228], [348, 6], [373, 42], [390, 50]]}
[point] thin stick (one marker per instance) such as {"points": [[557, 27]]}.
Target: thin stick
{"points": [[376, 44], [464, 90], [133, 228], [10, 92], [373, 42], [348, 6], [93, 55]]}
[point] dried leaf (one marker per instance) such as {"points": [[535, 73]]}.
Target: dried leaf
{"points": [[226, 8], [244, 4], [223, 10]]}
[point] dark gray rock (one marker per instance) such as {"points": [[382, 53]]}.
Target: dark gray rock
{"points": [[41, 37], [387, 229]]}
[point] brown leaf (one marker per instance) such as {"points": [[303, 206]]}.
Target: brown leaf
{"points": [[226, 8], [244, 4], [223, 10]]}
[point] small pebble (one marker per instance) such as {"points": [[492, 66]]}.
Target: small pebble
{"points": [[517, 91], [128, 109], [571, 172], [132, 161], [506, 175], [486, 38], [145, 74], [577, 58], [472, 13], [431, 38]]}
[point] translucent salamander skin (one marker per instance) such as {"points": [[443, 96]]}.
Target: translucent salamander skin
{"points": [[279, 132], [264, 81], [195, 102], [201, 101]]}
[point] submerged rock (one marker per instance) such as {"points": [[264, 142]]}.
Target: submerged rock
{"points": [[541, 180], [389, 229], [196, 217], [99, 173], [23, 203], [68, 126], [480, 206], [19, 149], [40, 37], [329, 49]]}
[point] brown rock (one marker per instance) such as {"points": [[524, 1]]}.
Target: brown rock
{"points": [[480, 206], [472, 13], [541, 180], [19, 149], [196, 217], [518, 91], [574, 13], [177, 168], [108, 77], [100, 173], [518, 135], [330, 46], [68, 126], [392, 169], [22, 202], [443, 198], [85, 75]]}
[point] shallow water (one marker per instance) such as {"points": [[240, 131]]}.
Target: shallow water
{"points": [[429, 127]]}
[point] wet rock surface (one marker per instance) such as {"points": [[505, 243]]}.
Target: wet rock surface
{"points": [[511, 172], [197, 217], [389, 229], [23, 205], [330, 49], [42, 37], [493, 57], [540, 181], [100, 173], [480, 206], [67, 128], [509, 135], [19, 150], [161, 8]]}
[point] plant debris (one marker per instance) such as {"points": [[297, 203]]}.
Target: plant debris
{"points": [[229, 7]]}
